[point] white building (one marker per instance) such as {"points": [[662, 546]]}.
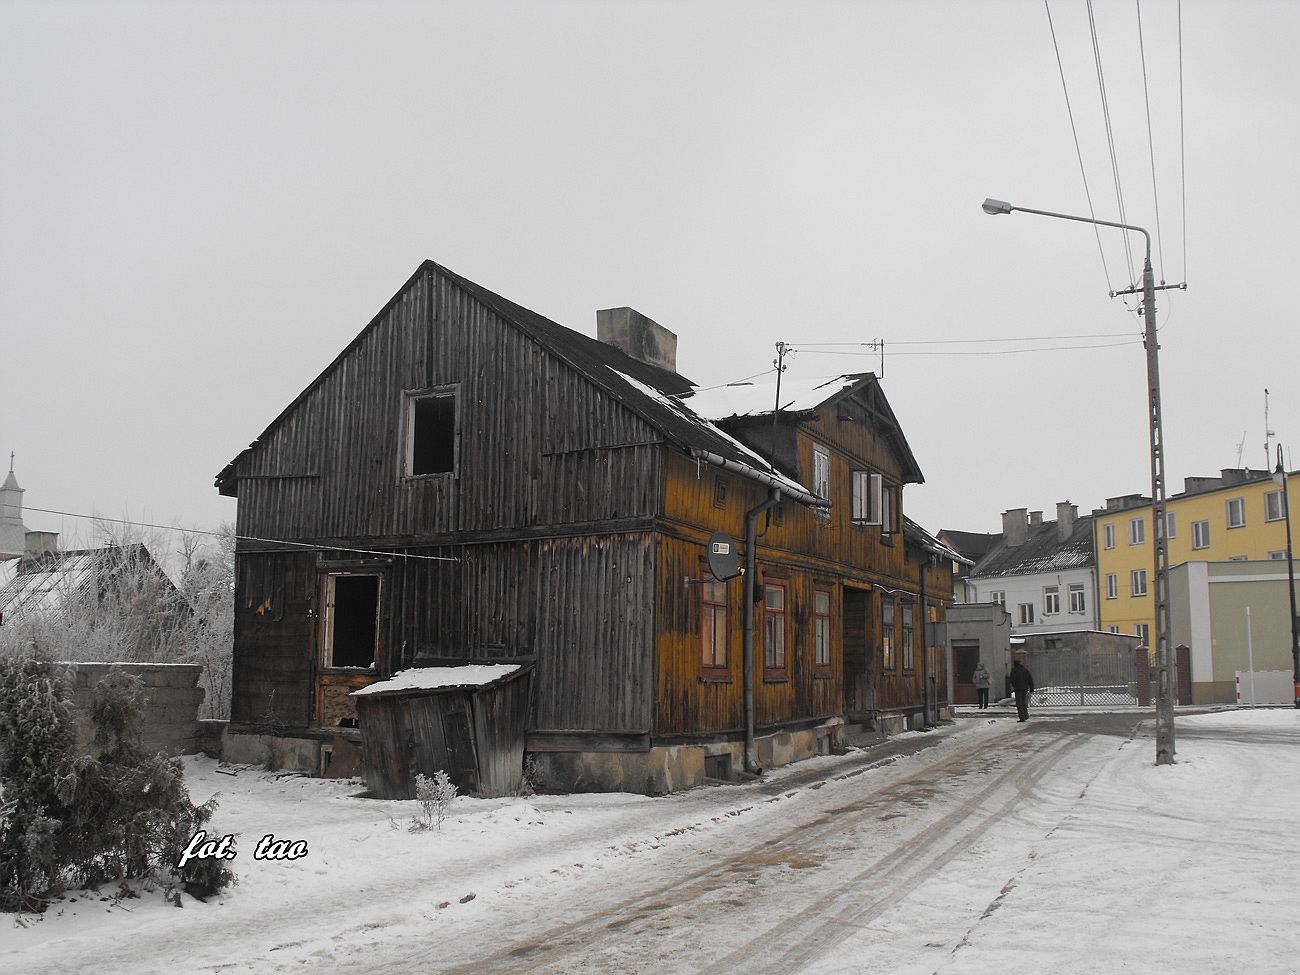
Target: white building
{"points": [[1043, 572]]}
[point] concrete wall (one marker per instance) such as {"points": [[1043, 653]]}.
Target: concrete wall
{"points": [[172, 699], [986, 625], [1207, 612]]}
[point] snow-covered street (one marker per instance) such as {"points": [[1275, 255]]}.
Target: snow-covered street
{"points": [[987, 847]]}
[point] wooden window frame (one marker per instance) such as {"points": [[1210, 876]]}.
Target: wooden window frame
{"points": [[773, 670], [888, 649], [823, 631], [328, 586], [711, 607], [907, 639], [720, 491], [410, 400]]}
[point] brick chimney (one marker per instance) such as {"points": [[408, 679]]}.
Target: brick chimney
{"points": [[1066, 515], [627, 330], [1014, 527], [1035, 519]]}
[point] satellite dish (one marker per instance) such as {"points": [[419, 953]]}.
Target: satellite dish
{"points": [[724, 556]]}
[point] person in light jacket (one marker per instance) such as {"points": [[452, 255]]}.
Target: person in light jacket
{"points": [[1022, 685], [983, 681]]}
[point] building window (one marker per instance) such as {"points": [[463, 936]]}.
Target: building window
{"points": [[887, 634], [1108, 533], [1051, 600], [431, 433], [1077, 598], [778, 515], [1238, 558], [1114, 628], [821, 479], [909, 626], [1143, 632], [868, 490], [999, 597], [1138, 582], [1137, 531], [1026, 613], [1200, 534], [713, 625], [1277, 555], [1236, 512], [822, 629], [350, 622], [774, 628], [887, 511], [719, 492], [1112, 585], [1273, 507], [1170, 531]]}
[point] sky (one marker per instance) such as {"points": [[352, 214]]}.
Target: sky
{"points": [[978, 849], [201, 204]]}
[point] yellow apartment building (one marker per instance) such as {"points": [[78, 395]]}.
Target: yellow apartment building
{"points": [[1236, 516]]}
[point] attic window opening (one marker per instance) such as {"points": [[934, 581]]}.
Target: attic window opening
{"points": [[431, 446]]}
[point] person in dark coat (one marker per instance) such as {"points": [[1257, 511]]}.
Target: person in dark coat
{"points": [[1022, 685]]}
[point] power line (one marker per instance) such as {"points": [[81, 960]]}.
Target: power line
{"points": [[1110, 135], [244, 538], [1057, 348], [1016, 338], [1151, 145], [1096, 230], [1182, 138]]}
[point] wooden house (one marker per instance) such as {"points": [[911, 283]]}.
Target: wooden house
{"points": [[469, 482]]}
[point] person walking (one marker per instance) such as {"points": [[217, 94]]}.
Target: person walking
{"points": [[1022, 685], [983, 681]]}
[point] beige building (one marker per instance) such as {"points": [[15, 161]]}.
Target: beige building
{"points": [[1208, 604]]}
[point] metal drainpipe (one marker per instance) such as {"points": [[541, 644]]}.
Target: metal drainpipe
{"points": [[925, 646], [751, 560]]}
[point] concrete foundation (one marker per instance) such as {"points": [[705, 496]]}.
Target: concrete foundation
{"points": [[670, 768], [331, 756]]}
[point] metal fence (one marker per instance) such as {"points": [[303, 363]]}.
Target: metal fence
{"points": [[1081, 677]]}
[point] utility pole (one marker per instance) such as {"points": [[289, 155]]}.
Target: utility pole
{"points": [[1166, 668]]}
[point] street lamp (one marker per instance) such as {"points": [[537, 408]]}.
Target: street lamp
{"points": [[1168, 667], [1280, 479]]}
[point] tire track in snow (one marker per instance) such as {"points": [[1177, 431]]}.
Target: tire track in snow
{"points": [[910, 861]]}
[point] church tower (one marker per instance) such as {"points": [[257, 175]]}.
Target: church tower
{"points": [[13, 536]]}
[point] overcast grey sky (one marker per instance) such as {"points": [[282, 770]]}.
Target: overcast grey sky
{"points": [[202, 203]]}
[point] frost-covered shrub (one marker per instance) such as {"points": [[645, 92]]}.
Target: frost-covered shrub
{"points": [[434, 796], [70, 821]]}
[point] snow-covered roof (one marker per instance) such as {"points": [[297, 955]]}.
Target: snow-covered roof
{"points": [[758, 398], [436, 678], [754, 461], [44, 591]]}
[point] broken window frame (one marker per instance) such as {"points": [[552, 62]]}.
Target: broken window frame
{"points": [[328, 619], [411, 400]]}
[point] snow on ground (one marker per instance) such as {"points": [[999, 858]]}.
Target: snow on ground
{"points": [[1108, 864]]}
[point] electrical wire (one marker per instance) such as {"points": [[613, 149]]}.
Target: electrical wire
{"points": [[734, 382], [1182, 137], [1151, 145], [244, 538], [1057, 348], [1110, 135], [1016, 338], [1078, 151]]}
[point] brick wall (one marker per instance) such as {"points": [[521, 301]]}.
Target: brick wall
{"points": [[172, 699]]}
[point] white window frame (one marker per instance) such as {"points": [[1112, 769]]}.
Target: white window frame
{"points": [[1239, 505], [1025, 612], [1170, 525], [1114, 628], [1078, 598], [821, 475], [1051, 600], [868, 497], [1112, 585], [1108, 534], [1201, 534], [999, 596], [1273, 506], [1137, 531], [1277, 555], [1143, 632], [1137, 580]]}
